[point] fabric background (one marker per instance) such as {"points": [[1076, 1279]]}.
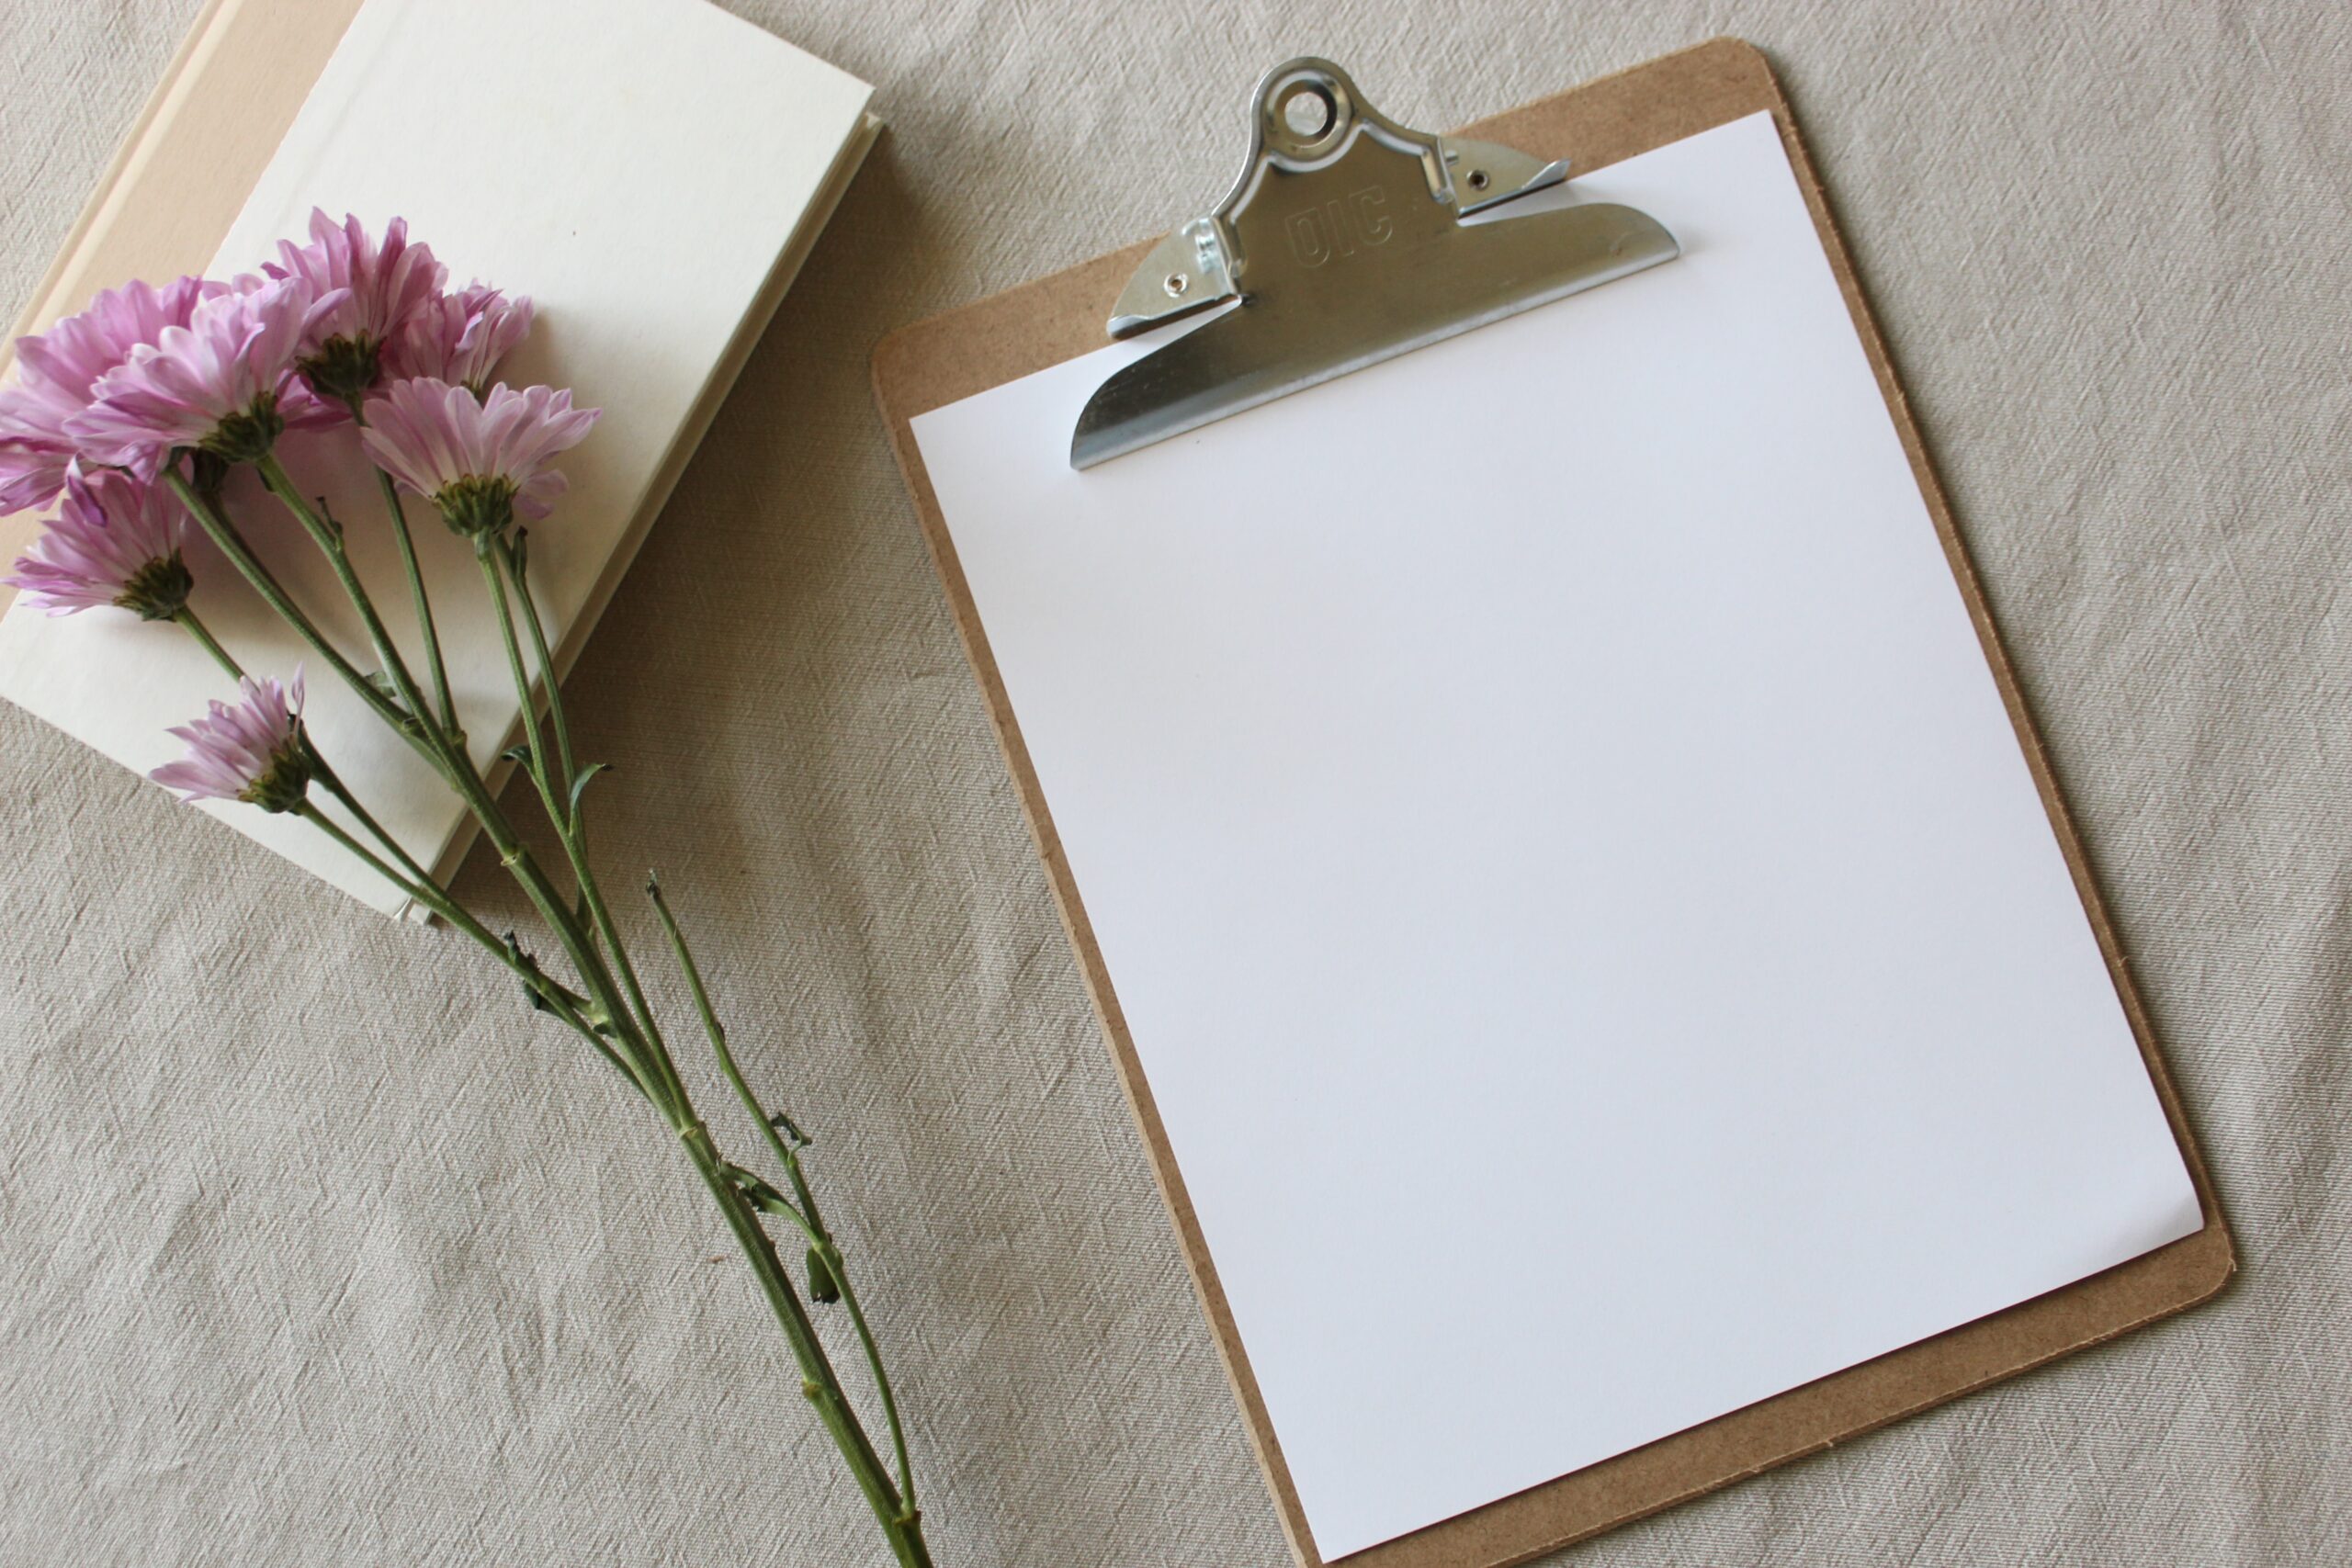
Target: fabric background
{"points": [[313, 1249]]}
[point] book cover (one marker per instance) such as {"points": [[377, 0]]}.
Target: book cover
{"points": [[649, 171]]}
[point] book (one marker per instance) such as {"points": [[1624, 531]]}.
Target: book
{"points": [[651, 173]]}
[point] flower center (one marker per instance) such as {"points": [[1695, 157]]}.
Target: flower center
{"points": [[476, 505], [246, 437], [286, 783], [344, 368], [159, 590], [208, 471]]}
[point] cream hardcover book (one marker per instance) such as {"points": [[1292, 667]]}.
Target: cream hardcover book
{"points": [[651, 173]]}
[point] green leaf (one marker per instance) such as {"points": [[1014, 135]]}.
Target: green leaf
{"points": [[531, 993], [580, 784], [520, 753], [822, 1285], [763, 1197], [789, 1128], [384, 688]]}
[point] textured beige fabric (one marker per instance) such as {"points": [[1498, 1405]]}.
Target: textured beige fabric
{"points": [[313, 1249]]}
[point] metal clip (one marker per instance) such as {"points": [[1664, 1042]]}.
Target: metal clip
{"points": [[1344, 239]]}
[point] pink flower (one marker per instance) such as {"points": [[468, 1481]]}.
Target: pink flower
{"points": [[459, 338], [59, 369], [252, 751], [365, 296], [482, 461], [219, 383], [115, 541]]}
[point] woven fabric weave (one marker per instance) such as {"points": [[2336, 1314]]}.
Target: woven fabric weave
{"points": [[314, 1247]]}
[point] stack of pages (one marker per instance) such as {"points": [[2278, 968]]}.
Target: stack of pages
{"points": [[650, 172]]}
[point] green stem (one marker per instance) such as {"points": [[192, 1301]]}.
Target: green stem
{"points": [[810, 1219], [530, 716], [186, 619], [630, 1056], [217, 527], [366, 818], [329, 539], [563, 820], [420, 599], [559, 1001], [637, 1049], [560, 818], [511, 557], [458, 768], [901, 1524], [901, 1527], [650, 1067], [832, 1258]]}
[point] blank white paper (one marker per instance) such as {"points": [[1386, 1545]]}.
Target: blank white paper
{"points": [[637, 167], [1574, 890]]}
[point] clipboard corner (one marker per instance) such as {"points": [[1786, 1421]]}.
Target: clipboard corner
{"points": [[1733, 57]]}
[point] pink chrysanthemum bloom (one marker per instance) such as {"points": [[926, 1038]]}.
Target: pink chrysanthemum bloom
{"points": [[367, 297], [461, 338], [220, 384], [483, 462], [251, 751], [116, 540], [61, 365]]}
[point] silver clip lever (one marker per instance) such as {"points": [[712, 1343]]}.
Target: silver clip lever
{"points": [[1344, 239]]}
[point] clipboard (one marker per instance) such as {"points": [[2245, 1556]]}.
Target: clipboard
{"points": [[940, 362]]}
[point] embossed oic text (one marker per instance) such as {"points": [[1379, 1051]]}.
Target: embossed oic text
{"points": [[1335, 227]]}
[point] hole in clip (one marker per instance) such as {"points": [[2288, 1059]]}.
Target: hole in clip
{"points": [[1307, 111], [1478, 180]]}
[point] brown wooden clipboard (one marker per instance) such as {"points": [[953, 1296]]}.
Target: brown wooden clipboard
{"points": [[1054, 319]]}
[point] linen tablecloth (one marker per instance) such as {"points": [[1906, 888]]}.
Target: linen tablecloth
{"points": [[314, 1250]]}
